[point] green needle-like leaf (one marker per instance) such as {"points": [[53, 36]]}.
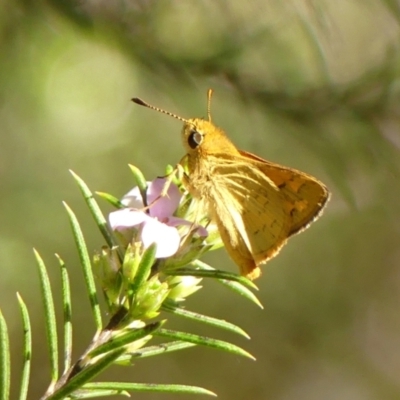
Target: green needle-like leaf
{"points": [[23, 393], [50, 316], [203, 341], [174, 309], [150, 351], [86, 266], [144, 269], [150, 387], [234, 286], [140, 182], [96, 212], [110, 199], [67, 308], [126, 338], [215, 274], [86, 374], [241, 290], [95, 394], [4, 360]]}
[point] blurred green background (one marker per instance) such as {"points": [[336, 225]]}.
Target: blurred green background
{"points": [[309, 84]]}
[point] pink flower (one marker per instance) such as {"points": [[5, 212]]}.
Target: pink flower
{"points": [[158, 225]]}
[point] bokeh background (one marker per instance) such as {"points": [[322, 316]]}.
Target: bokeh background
{"points": [[309, 84]]}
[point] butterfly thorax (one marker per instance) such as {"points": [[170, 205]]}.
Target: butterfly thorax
{"points": [[204, 142]]}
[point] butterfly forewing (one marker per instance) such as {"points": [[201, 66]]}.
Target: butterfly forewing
{"points": [[247, 208]]}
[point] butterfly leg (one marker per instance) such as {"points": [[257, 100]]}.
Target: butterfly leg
{"points": [[169, 178]]}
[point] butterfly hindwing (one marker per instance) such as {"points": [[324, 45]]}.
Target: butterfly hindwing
{"points": [[304, 196]]}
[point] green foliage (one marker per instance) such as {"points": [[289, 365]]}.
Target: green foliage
{"points": [[134, 296]]}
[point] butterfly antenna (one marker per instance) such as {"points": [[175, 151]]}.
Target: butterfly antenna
{"points": [[209, 94], [143, 103]]}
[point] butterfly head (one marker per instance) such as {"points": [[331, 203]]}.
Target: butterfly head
{"points": [[200, 136], [203, 137]]}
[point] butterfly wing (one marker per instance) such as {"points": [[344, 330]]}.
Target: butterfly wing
{"points": [[304, 196], [248, 209]]}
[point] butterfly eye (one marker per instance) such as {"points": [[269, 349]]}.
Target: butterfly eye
{"points": [[194, 139]]}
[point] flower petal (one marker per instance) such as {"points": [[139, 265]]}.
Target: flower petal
{"points": [[126, 218], [133, 198], [162, 207], [166, 237]]}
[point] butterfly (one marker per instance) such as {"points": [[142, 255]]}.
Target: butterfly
{"points": [[256, 204]]}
